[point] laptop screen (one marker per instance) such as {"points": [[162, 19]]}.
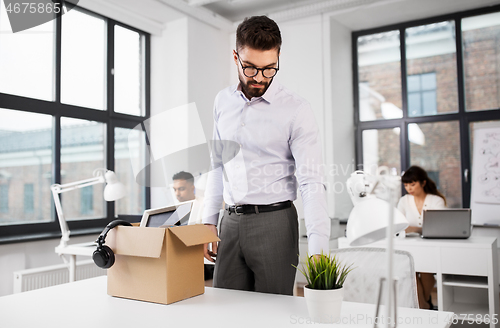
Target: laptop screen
{"points": [[447, 223]]}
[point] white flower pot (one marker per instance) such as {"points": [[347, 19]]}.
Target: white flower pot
{"points": [[324, 305]]}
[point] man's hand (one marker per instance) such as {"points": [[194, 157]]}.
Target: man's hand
{"points": [[209, 255]]}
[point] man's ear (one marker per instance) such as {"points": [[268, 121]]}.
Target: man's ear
{"points": [[235, 57]]}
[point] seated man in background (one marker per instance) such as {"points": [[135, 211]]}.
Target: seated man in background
{"points": [[185, 190]]}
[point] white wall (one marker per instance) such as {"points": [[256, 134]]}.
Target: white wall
{"points": [[339, 120], [189, 64]]}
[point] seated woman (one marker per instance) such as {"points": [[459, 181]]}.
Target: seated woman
{"points": [[422, 194]]}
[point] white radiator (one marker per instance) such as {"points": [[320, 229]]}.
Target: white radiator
{"points": [[30, 279]]}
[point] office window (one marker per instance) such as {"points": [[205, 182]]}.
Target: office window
{"points": [[379, 69], [130, 150], [481, 41], [422, 94], [27, 58], [432, 48], [4, 198], [378, 149], [26, 157], [82, 152], [447, 81], [29, 198], [59, 117], [439, 152], [129, 72], [83, 60], [87, 200]]}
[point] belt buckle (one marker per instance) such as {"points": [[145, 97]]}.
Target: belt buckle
{"points": [[236, 210]]}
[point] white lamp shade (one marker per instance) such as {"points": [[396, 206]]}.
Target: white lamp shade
{"points": [[369, 219], [114, 189]]}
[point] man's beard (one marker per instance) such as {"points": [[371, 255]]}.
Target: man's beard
{"points": [[253, 92]]}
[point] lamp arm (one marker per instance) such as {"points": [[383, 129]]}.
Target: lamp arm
{"points": [[60, 215], [59, 189], [77, 185]]}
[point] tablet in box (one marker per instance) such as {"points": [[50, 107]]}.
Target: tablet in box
{"points": [[159, 265]]}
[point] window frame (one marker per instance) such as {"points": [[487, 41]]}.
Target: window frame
{"points": [[45, 230], [463, 117]]}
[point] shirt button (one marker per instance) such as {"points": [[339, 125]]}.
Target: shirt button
{"points": [[242, 124], [235, 188], [237, 166], [241, 146], [419, 224]]}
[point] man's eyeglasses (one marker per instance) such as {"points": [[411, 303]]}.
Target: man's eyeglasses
{"points": [[250, 71]]}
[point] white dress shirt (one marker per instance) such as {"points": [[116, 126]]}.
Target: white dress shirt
{"points": [[279, 150], [408, 207]]}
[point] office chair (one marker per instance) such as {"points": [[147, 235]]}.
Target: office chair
{"points": [[362, 283]]}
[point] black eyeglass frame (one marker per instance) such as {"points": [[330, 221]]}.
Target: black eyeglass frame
{"points": [[276, 69]]}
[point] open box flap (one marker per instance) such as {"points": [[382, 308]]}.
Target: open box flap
{"points": [[195, 234], [134, 241]]}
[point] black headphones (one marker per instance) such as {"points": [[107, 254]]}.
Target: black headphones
{"points": [[103, 256]]}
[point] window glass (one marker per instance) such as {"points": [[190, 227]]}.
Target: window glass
{"points": [[27, 59], [4, 198], [129, 72], [379, 76], [83, 72], [25, 167], [381, 148], [432, 69], [436, 148], [422, 94], [29, 198], [87, 200], [82, 151], [130, 152], [481, 41]]}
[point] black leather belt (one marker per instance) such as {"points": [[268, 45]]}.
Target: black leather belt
{"points": [[252, 209]]}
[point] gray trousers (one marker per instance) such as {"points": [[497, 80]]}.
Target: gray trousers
{"points": [[256, 252]]}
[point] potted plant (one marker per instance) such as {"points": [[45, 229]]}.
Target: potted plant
{"points": [[324, 291]]}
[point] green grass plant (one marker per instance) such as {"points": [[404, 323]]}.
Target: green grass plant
{"points": [[325, 272]]}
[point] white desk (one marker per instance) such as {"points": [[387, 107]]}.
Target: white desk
{"points": [[466, 271], [84, 249], [85, 304]]}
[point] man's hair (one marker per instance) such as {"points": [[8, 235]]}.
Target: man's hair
{"points": [[258, 32], [184, 176]]}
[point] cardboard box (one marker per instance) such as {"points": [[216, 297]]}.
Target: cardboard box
{"points": [[160, 265]]}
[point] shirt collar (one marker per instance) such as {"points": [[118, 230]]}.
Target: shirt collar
{"points": [[268, 96]]}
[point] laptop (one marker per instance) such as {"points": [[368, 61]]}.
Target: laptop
{"points": [[450, 223]]}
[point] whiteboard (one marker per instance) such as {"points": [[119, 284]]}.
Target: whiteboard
{"points": [[485, 193]]}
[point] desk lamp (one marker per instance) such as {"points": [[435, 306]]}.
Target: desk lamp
{"points": [[373, 219], [114, 190]]}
